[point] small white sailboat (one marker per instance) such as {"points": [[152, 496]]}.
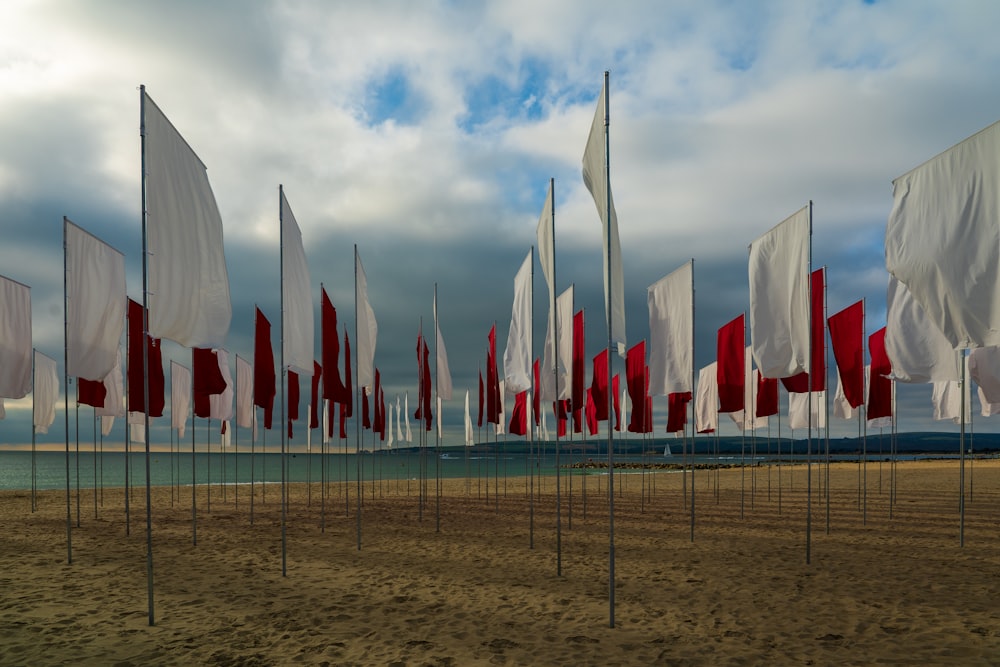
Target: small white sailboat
{"points": [[666, 451]]}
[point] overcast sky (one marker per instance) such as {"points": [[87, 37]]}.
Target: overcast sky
{"points": [[426, 132]]}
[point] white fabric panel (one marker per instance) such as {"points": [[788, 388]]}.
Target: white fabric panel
{"points": [[244, 393], [470, 435], [443, 372], [547, 259], [595, 177], [517, 356], [779, 297], [114, 391], [745, 419], [15, 334], [297, 318], [3, 410], [500, 428], [221, 405], [180, 397], [107, 423], [46, 392], [946, 397], [798, 409], [671, 332], [225, 435], [984, 368], [137, 429], [399, 421], [367, 327], [95, 304], [987, 409], [706, 405], [187, 276], [918, 350], [942, 239], [841, 407], [564, 326], [388, 426], [406, 410]]}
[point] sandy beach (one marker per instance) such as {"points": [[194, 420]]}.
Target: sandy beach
{"points": [[880, 588]]}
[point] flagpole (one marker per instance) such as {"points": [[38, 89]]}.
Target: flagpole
{"points": [[693, 394], [826, 402], [530, 432], [145, 355], [554, 327], [611, 456], [437, 435], [283, 426], [961, 444], [809, 404], [360, 390], [69, 511]]}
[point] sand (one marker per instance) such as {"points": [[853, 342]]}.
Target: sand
{"points": [[885, 589]]}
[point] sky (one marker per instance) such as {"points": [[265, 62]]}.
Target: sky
{"points": [[426, 133]]}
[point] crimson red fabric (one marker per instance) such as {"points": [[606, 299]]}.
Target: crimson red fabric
{"points": [[493, 398], [730, 368], [847, 338], [314, 399], [378, 422], [206, 380], [348, 395], [559, 408], [293, 400], [767, 396], [136, 382], [91, 392], [333, 386], [879, 386], [536, 395], [366, 418], [519, 415], [578, 370], [615, 389], [264, 385], [635, 378], [343, 420], [480, 421], [591, 413], [677, 403], [423, 411], [599, 385], [799, 384]]}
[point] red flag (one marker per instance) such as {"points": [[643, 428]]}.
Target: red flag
{"points": [[767, 396], [427, 389], [293, 400], [635, 377], [879, 386], [677, 403], [315, 400], [333, 386], [331, 418], [731, 365], [519, 415], [599, 386], [91, 392], [136, 383], [348, 396], [614, 396], [578, 370], [559, 408], [480, 423], [206, 379], [591, 412], [366, 419], [799, 384], [493, 398], [536, 396], [578, 420], [847, 334], [264, 384], [423, 411]]}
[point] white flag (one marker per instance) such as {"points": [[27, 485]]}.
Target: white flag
{"points": [[987, 408], [137, 428], [946, 397], [798, 409], [46, 392], [114, 392], [367, 326], [15, 332], [406, 404], [841, 406], [671, 332], [984, 368], [918, 350], [399, 421], [746, 419], [517, 356], [3, 410], [107, 422], [564, 327], [706, 404], [500, 427], [595, 177], [470, 438], [942, 239], [244, 396], [221, 405], [779, 297], [95, 303], [297, 317], [547, 259], [180, 397], [443, 373], [187, 278]]}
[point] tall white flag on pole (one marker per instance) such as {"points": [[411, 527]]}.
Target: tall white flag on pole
{"points": [[188, 284], [45, 393], [517, 356], [297, 315], [919, 352], [367, 326], [95, 303], [244, 397], [564, 327], [671, 332], [15, 332], [444, 388], [180, 397], [470, 436], [221, 405], [706, 406]]}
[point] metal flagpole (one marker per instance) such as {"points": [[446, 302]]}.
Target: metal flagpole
{"points": [[357, 413], [961, 444], [693, 427], [145, 356], [554, 327], [194, 468], [34, 502], [809, 404], [284, 375], [611, 449], [826, 404], [529, 420], [69, 511], [437, 432]]}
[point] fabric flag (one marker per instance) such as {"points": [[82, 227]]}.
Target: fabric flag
{"points": [[671, 332], [748, 419], [579, 371], [314, 398], [779, 297], [545, 427], [244, 397], [578, 420], [136, 382], [946, 397], [348, 396], [207, 379], [180, 397], [494, 400], [366, 417], [517, 356], [378, 419], [519, 416], [296, 294], [45, 392], [595, 177], [677, 403], [399, 421], [766, 403], [444, 389], [536, 394], [90, 392], [367, 326], [95, 303], [624, 406], [877, 422], [590, 410], [618, 405], [114, 392], [847, 338], [942, 239], [499, 426], [3, 410], [264, 380], [730, 365], [842, 408], [343, 413], [333, 386], [388, 427], [564, 340], [423, 411], [879, 384], [635, 378], [406, 413], [798, 410], [222, 403], [559, 410], [706, 404], [984, 368], [136, 428], [599, 385], [481, 399], [545, 234], [187, 280], [15, 332], [800, 382], [987, 408], [919, 352], [293, 400], [470, 436]]}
